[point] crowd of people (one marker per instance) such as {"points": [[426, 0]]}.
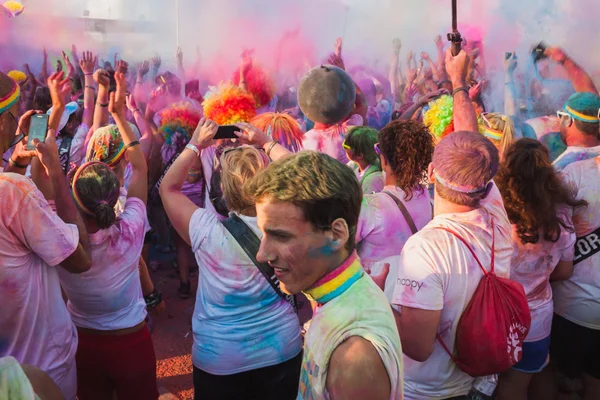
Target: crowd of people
{"points": [[409, 216]]}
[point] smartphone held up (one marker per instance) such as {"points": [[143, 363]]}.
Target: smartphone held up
{"points": [[37, 129]]}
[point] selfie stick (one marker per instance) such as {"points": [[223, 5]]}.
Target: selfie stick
{"points": [[455, 37]]}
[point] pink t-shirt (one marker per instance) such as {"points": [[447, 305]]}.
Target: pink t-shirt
{"points": [[329, 141], [109, 295], [437, 272], [382, 230], [35, 326], [532, 266]]}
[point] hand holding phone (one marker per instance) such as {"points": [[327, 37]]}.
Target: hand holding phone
{"points": [[38, 129]]}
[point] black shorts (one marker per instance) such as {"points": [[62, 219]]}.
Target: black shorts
{"points": [[575, 349]]}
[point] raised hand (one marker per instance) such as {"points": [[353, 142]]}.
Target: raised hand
{"points": [[59, 87], [156, 61], [438, 43], [88, 63], [205, 133], [457, 67], [116, 105], [102, 78], [510, 64], [425, 56], [122, 67], [338, 47], [115, 59], [47, 153], [246, 64], [143, 69], [131, 103], [59, 66], [251, 135]]}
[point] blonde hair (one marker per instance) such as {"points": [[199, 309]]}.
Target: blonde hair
{"points": [[239, 165], [504, 124]]}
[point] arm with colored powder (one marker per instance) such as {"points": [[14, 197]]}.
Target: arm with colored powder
{"points": [[582, 82], [87, 65], [178, 207], [394, 71], [47, 154], [146, 139], [138, 186], [510, 91], [441, 57], [465, 118], [434, 69], [58, 85], [101, 111], [44, 74]]}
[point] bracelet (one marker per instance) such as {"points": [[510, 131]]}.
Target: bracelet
{"points": [[89, 74], [90, 87], [562, 62], [15, 164], [134, 143], [153, 299], [193, 148], [273, 143], [460, 89], [103, 105], [138, 110]]}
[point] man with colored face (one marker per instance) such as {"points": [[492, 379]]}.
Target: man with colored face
{"points": [[307, 207], [35, 326]]}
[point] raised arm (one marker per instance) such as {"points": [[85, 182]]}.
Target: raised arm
{"points": [[465, 118], [178, 207], [138, 186], [44, 74], [510, 90], [582, 82], [101, 110], [140, 120], [252, 135], [434, 69], [87, 65], [47, 153]]}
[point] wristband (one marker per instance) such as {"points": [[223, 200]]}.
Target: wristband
{"points": [[153, 299], [193, 148], [273, 143], [89, 74], [138, 110], [15, 164], [103, 105], [460, 89], [90, 87], [134, 143]]}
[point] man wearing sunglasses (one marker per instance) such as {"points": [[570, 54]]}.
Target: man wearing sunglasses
{"points": [[35, 326], [576, 324]]}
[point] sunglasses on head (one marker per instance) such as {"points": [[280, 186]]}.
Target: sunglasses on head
{"points": [[377, 149], [345, 145], [562, 114]]}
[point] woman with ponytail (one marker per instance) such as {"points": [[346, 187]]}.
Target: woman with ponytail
{"points": [[115, 352], [500, 129]]}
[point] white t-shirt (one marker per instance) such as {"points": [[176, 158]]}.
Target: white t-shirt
{"points": [[382, 230], [35, 326], [532, 265], [438, 272], [575, 154], [329, 141], [239, 322], [109, 295], [578, 298]]}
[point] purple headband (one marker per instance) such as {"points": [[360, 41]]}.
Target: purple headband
{"points": [[466, 189]]}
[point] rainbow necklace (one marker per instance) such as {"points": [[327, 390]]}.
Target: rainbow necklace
{"points": [[337, 281]]}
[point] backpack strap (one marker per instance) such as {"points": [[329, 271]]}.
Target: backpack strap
{"points": [[250, 243], [438, 337], [64, 152], [370, 171], [404, 212]]}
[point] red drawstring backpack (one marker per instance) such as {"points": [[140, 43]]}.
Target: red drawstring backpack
{"points": [[491, 330]]}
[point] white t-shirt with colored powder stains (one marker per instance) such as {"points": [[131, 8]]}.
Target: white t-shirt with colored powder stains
{"points": [[109, 295], [329, 141], [437, 272], [578, 298], [532, 265], [35, 326], [382, 230], [239, 322]]}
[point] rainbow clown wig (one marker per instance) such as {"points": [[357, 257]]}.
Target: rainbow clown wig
{"points": [[12, 8], [282, 128], [178, 123], [438, 116], [228, 104], [260, 85], [18, 76]]}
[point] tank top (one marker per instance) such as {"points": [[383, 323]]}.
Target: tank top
{"points": [[349, 304]]}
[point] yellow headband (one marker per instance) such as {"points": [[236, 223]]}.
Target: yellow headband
{"points": [[582, 117]]}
